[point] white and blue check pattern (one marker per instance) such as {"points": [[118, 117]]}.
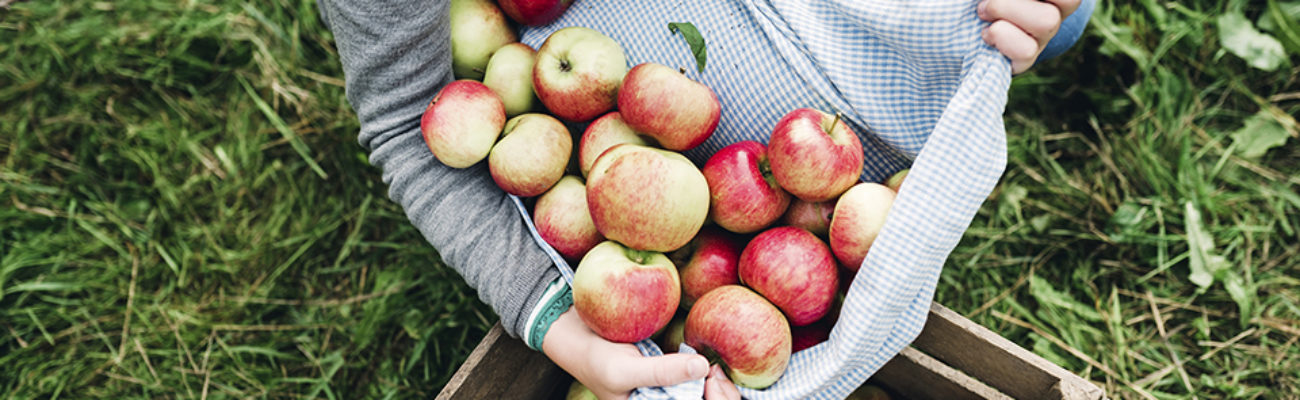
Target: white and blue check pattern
{"points": [[915, 81]]}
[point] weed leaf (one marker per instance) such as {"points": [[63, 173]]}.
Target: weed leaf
{"points": [[1202, 260], [1260, 133], [1241, 38], [694, 39]]}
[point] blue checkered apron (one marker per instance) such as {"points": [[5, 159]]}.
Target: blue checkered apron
{"points": [[915, 81]]}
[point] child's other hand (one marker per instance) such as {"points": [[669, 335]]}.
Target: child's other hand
{"points": [[612, 370], [1022, 28]]}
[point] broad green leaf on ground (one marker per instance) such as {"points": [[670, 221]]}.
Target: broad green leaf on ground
{"points": [[1242, 293], [1261, 133], [1283, 20], [1240, 38], [1047, 295], [694, 39], [1204, 263]]}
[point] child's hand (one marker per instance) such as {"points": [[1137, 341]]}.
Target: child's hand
{"points": [[612, 370], [1022, 28]]}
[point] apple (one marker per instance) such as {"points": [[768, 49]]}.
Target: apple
{"points": [[744, 197], [813, 217], [646, 198], [579, 392], [462, 122], [603, 133], [709, 261], [745, 331], [895, 181], [531, 156], [624, 294], [578, 73], [859, 215], [814, 155], [510, 75], [794, 270], [663, 103], [563, 221], [478, 28], [670, 341], [534, 12], [810, 335]]}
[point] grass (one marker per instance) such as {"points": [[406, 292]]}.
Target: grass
{"points": [[184, 212]]}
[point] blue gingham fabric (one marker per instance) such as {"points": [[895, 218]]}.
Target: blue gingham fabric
{"points": [[912, 78]]}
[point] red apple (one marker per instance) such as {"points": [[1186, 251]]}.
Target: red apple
{"points": [[813, 217], [532, 154], [603, 133], [563, 221], [794, 270], [647, 199], [896, 181], [534, 12], [810, 335], [709, 261], [859, 215], [578, 73], [744, 196], [750, 336], [625, 295], [815, 156], [462, 122], [661, 102]]}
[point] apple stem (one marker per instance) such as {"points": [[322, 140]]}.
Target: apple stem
{"points": [[564, 65], [682, 70], [833, 123], [637, 256]]}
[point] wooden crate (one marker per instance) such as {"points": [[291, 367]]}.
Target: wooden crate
{"points": [[953, 358]]}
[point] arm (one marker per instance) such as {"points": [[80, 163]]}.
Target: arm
{"points": [[396, 56]]}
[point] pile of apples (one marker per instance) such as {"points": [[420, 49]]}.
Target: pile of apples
{"points": [[790, 221]]}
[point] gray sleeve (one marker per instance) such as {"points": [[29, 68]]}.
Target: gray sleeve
{"points": [[396, 56]]}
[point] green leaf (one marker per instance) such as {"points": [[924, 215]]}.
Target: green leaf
{"points": [[694, 39], [1204, 264], [1283, 19], [1045, 294], [1240, 38], [1241, 292], [1260, 133]]}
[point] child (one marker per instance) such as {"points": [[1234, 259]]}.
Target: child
{"points": [[396, 56]]}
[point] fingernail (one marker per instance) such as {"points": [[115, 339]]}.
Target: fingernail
{"points": [[983, 5], [697, 367]]}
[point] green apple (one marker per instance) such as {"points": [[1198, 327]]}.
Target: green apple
{"points": [[478, 28], [531, 156], [510, 75]]}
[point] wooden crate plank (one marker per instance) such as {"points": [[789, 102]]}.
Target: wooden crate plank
{"points": [[501, 367], [921, 377], [987, 356]]}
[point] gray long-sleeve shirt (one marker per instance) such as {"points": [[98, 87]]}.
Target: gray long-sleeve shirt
{"points": [[396, 56]]}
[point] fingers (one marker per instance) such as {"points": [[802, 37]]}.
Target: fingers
{"points": [[1067, 6], [665, 370], [1037, 18], [718, 387], [1014, 43]]}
